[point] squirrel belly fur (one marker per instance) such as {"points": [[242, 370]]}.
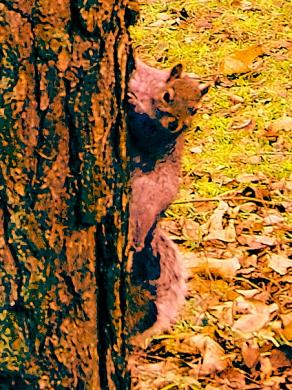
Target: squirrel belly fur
{"points": [[161, 106]]}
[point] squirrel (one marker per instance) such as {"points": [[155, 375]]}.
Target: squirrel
{"points": [[161, 106]]}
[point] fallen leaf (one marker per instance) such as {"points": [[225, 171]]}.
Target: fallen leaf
{"points": [[279, 263], [213, 228], [191, 230], [248, 178], [256, 242], [286, 319], [196, 150], [234, 377], [284, 123], [266, 367], [165, 20], [248, 293], [241, 60], [236, 99], [274, 383], [250, 353], [224, 313], [171, 227], [273, 219], [235, 107], [249, 261], [265, 240], [249, 323], [248, 207], [271, 134], [163, 16], [225, 268], [226, 235], [279, 360], [255, 160], [214, 359], [256, 314], [287, 331], [242, 125]]}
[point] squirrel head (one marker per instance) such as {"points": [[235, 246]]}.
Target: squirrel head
{"points": [[179, 100]]}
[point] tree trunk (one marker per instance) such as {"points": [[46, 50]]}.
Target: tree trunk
{"points": [[63, 210]]}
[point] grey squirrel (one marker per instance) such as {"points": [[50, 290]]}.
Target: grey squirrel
{"points": [[161, 105]]}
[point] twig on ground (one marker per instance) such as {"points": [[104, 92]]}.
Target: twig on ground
{"points": [[227, 198]]}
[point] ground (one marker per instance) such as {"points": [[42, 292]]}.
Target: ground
{"points": [[232, 218]]}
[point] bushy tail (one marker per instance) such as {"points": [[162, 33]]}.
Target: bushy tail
{"points": [[164, 285]]}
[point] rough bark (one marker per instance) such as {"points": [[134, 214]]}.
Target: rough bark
{"points": [[63, 207]]}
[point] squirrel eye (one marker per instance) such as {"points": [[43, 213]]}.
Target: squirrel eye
{"points": [[166, 97], [192, 110], [173, 126]]}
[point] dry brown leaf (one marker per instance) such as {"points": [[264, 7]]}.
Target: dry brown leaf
{"points": [[236, 99], [249, 261], [241, 60], [155, 375], [274, 383], [248, 207], [286, 319], [266, 367], [225, 268], [228, 234], [265, 240], [224, 313], [278, 185], [250, 352], [273, 219], [196, 149], [287, 331], [213, 228], [249, 177], [172, 229], [164, 20], [191, 230], [215, 221], [252, 306], [233, 378], [279, 360], [279, 263], [214, 359], [244, 5], [235, 107], [284, 123], [256, 314], [256, 241], [245, 123], [255, 160], [249, 323], [248, 293]]}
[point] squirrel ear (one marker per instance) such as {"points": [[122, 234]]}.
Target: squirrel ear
{"points": [[175, 72]]}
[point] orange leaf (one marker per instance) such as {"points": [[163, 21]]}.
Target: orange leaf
{"points": [[241, 60]]}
